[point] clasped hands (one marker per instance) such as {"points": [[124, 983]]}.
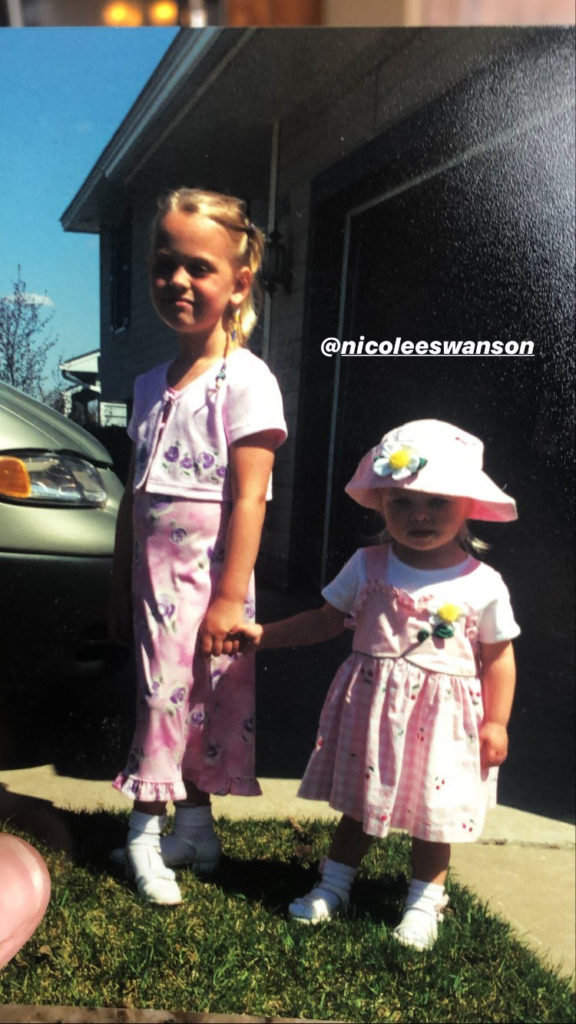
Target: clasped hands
{"points": [[216, 636]]}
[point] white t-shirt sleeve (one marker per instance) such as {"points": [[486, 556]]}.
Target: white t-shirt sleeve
{"points": [[497, 622], [253, 402], [343, 590]]}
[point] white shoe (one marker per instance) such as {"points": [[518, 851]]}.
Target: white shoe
{"points": [[202, 856], [419, 926], [154, 881], [319, 905]]}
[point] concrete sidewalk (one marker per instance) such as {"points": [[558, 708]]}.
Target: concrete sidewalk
{"points": [[523, 867]]}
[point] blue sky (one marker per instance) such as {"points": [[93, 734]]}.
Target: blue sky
{"points": [[63, 93]]}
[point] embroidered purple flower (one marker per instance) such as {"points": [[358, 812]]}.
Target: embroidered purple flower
{"points": [[250, 724], [165, 607], [221, 472], [178, 535], [178, 695], [187, 462], [160, 501], [206, 460], [197, 717], [173, 454], [216, 554]]}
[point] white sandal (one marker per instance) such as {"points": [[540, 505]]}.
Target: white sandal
{"points": [[318, 906], [419, 926]]}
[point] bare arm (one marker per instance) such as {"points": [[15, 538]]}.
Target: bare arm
{"points": [[498, 683], [251, 461], [310, 627], [120, 611]]}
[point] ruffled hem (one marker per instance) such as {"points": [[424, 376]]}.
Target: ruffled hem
{"points": [[217, 784], [149, 792]]}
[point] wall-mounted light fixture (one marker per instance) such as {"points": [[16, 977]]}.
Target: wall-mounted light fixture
{"points": [[114, 13], [276, 264], [132, 14]]}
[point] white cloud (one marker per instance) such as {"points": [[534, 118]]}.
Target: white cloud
{"points": [[30, 297]]}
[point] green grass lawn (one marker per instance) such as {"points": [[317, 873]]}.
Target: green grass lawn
{"points": [[229, 948]]}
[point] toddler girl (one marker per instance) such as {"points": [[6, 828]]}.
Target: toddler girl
{"points": [[205, 426], [414, 725]]}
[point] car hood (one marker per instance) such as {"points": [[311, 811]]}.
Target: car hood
{"points": [[28, 424]]}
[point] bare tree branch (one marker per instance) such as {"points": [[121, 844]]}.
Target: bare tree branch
{"points": [[24, 341]]}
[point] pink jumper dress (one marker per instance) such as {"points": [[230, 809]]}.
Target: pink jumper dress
{"points": [[398, 740]]}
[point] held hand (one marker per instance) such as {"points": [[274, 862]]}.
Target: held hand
{"points": [[217, 634], [493, 744], [249, 636]]}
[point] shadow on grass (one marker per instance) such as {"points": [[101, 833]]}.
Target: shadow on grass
{"points": [[275, 883], [87, 838]]}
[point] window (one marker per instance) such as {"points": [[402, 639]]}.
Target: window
{"points": [[120, 274]]}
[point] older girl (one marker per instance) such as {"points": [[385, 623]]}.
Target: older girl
{"points": [[205, 427]]}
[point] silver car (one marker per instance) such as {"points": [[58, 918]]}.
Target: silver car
{"points": [[59, 499]]}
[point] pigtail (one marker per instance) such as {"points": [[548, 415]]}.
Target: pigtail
{"points": [[473, 545], [251, 253]]}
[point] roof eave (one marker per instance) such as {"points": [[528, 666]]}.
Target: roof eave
{"points": [[190, 49]]}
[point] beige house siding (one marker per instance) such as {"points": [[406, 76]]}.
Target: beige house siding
{"points": [[362, 83]]}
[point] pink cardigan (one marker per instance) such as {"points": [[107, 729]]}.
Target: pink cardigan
{"points": [[182, 437]]}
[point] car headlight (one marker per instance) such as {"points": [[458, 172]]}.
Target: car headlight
{"points": [[51, 479]]}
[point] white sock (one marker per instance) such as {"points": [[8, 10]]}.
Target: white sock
{"points": [[154, 880], [145, 828], [193, 840], [337, 878], [327, 898], [195, 823]]}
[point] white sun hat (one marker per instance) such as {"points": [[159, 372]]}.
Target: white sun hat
{"points": [[435, 458]]}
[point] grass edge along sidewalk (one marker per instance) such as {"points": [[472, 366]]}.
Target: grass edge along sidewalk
{"points": [[108, 1015], [230, 949]]}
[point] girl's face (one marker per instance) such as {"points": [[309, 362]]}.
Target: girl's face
{"points": [[195, 276], [424, 527]]}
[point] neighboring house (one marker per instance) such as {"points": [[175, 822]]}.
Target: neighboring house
{"points": [[82, 401], [422, 180]]}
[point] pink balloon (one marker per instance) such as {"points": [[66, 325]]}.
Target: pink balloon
{"points": [[24, 894]]}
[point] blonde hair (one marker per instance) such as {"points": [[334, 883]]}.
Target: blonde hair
{"points": [[247, 239]]}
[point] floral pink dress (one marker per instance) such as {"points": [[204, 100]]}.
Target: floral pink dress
{"points": [[398, 742]]}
